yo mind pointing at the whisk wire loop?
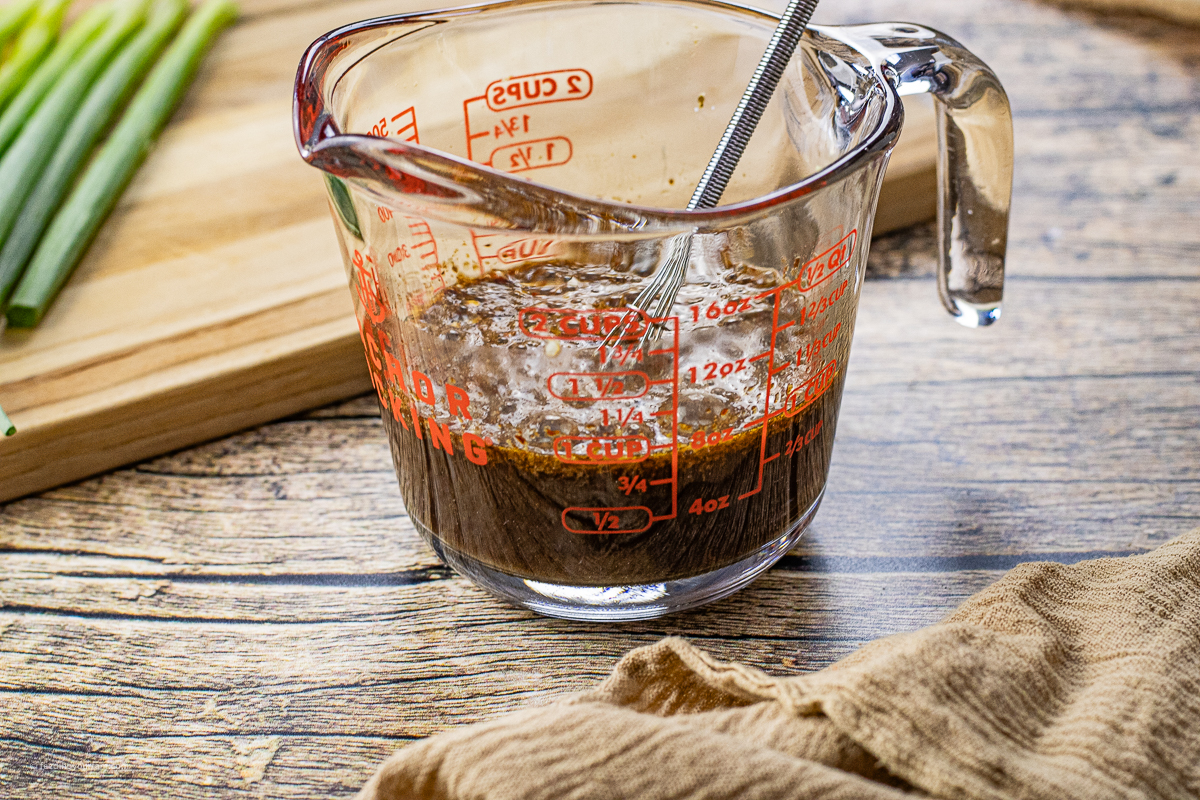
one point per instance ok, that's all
(658, 296)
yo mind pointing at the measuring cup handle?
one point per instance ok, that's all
(975, 157)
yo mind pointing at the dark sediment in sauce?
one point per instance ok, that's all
(508, 514)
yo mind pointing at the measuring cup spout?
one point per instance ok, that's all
(419, 179)
(975, 152)
(425, 182)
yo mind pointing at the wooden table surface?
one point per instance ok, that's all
(256, 617)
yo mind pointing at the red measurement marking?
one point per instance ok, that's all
(819, 269)
(769, 354)
(670, 348)
(540, 87)
(622, 354)
(573, 325)
(808, 392)
(369, 288)
(623, 519)
(425, 247)
(509, 250)
(601, 449)
(716, 310)
(485, 245)
(592, 386)
(511, 126)
(472, 135)
(660, 494)
(826, 265)
(702, 506)
(802, 440)
(535, 154)
(624, 418)
(702, 439)
(814, 348)
(819, 306)
(404, 125)
(416, 256)
(714, 370)
(424, 244)
(523, 250)
(399, 255)
(811, 274)
(630, 485)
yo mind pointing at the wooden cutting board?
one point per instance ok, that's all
(214, 297)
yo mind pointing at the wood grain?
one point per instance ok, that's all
(1185, 11)
(953, 403)
(256, 617)
(214, 298)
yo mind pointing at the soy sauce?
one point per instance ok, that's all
(515, 506)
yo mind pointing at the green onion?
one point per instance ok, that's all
(13, 17)
(6, 426)
(343, 204)
(37, 38)
(97, 191)
(85, 29)
(24, 162)
(103, 101)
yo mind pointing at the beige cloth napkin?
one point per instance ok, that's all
(1055, 682)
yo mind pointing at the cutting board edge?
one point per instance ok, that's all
(84, 446)
(905, 200)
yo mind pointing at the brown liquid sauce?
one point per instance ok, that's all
(614, 464)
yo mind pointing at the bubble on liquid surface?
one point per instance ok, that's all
(474, 336)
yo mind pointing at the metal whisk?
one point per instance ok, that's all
(657, 298)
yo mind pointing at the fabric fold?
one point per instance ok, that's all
(1056, 681)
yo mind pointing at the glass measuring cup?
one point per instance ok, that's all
(503, 180)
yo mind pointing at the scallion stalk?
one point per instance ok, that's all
(23, 163)
(6, 426)
(31, 47)
(103, 102)
(94, 196)
(83, 31)
(12, 19)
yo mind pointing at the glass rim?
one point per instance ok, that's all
(312, 139)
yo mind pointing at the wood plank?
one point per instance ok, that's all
(909, 191)
(186, 767)
(129, 589)
(277, 687)
(1110, 443)
(1185, 11)
(450, 632)
(1049, 329)
(200, 246)
(936, 430)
